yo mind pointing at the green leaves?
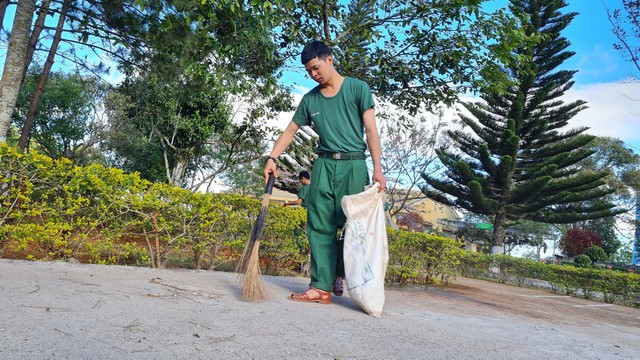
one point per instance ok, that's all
(415, 54)
(418, 258)
(64, 125)
(208, 68)
(54, 210)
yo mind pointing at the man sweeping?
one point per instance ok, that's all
(342, 111)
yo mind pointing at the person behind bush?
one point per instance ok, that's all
(305, 180)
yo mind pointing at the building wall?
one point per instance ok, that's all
(430, 212)
(280, 196)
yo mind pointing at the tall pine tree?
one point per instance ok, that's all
(518, 163)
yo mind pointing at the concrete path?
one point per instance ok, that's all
(55, 310)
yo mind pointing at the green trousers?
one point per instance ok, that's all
(330, 181)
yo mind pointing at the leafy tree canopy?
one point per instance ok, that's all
(622, 162)
(181, 91)
(65, 125)
(414, 54)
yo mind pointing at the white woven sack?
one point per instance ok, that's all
(366, 251)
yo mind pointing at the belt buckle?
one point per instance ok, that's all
(336, 156)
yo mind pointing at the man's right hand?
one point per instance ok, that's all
(270, 167)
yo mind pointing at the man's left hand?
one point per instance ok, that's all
(379, 178)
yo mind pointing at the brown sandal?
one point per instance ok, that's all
(312, 295)
(338, 286)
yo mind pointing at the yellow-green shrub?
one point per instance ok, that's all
(611, 286)
(421, 258)
(474, 264)
(54, 210)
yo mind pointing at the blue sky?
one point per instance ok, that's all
(592, 40)
(614, 102)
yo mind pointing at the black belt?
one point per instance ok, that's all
(342, 156)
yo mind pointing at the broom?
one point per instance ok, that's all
(253, 288)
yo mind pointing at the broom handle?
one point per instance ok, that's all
(270, 182)
(259, 225)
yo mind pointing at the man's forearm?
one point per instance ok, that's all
(375, 149)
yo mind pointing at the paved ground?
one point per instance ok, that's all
(59, 310)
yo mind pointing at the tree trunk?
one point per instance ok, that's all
(35, 34)
(14, 63)
(177, 173)
(499, 232)
(150, 247)
(37, 95)
(154, 219)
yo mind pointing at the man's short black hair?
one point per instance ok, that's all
(304, 174)
(314, 49)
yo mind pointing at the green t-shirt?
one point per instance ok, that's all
(338, 119)
(302, 194)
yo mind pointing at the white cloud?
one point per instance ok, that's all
(614, 110)
(300, 90)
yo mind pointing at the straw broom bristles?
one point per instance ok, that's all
(246, 253)
(253, 288)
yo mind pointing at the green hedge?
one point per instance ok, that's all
(54, 210)
(611, 286)
(420, 258)
(51, 209)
